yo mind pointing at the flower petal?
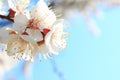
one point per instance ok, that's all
(22, 3)
(14, 45)
(36, 35)
(11, 37)
(20, 19)
(39, 9)
(27, 38)
(59, 24)
(11, 4)
(54, 39)
(20, 23)
(43, 49)
(47, 41)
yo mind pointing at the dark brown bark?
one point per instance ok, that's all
(6, 17)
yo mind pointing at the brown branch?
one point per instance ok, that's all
(40, 42)
(6, 17)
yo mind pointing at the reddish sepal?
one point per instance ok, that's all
(24, 33)
(13, 32)
(46, 30)
(11, 13)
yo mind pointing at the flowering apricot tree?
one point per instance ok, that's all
(38, 29)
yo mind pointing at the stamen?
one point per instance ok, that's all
(34, 24)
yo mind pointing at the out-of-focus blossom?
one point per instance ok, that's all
(69, 7)
(112, 2)
(18, 5)
(1, 5)
(6, 63)
(36, 32)
(92, 26)
(27, 67)
(82, 5)
(66, 7)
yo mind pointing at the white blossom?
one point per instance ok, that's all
(17, 45)
(18, 5)
(36, 32)
(43, 14)
(18, 48)
(54, 39)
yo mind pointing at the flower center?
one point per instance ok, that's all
(33, 24)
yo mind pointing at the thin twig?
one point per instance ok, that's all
(57, 71)
(6, 17)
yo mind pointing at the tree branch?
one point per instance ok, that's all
(6, 17)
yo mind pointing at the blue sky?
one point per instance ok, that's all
(86, 57)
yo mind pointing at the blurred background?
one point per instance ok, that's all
(93, 47)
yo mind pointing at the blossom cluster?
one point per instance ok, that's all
(33, 31)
